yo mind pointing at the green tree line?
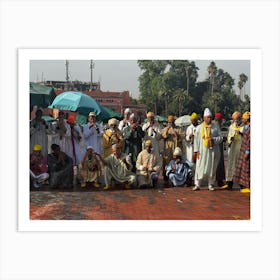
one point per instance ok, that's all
(171, 87)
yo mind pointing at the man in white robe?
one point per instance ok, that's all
(125, 122)
(206, 147)
(118, 168)
(148, 166)
(93, 133)
(74, 141)
(38, 132)
(190, 132)
(63, 133)
(152, 132)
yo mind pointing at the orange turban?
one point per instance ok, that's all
(71, 119)
(150, 114)
(170, 118)
(236, 115)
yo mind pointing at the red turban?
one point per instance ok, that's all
(218, 116)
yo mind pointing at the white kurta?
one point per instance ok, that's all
(63, 141)
(123, 125)
(189, 142)
(208, 161)
(153, 133)
(233, 151)
(93, 138)
(38, 135)
(77, 156)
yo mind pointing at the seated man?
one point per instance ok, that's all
(179, 170)
(60, 168)
(148, 166)
(89, 168)
(118, 167)
(38, 167)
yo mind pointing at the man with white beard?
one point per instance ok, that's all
(206, 148)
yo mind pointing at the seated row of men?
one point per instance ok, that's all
(116, 168)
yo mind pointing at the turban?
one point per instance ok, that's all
(71, 119)
(132, 116)
(37, 147)
(148, 143)
(170, 119)
(127, 110)
(91, 114)
(113, 121)
(150, 114)
(218, 116)
(90, 147)
(193, 116)
(236, 115)
(246, 115)
(177, 152)
(207, 113)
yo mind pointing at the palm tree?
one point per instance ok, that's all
(180, 96)
(243, 79)
(240, 87)
(212, 71)
(187, 68)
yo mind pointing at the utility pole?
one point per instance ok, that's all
(91, 74)
(67, 73)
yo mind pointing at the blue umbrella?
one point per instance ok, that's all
(76, 102)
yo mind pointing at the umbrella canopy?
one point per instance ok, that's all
(104, 116)
(48, 118)
(183, 120)
(76, 102)
(42, 96)
(107, 113)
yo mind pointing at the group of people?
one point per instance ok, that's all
(132, 154)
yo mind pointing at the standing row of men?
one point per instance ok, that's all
(203, 153)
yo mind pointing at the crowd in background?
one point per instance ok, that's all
(135, 154)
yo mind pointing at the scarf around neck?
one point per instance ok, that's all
(206, 133)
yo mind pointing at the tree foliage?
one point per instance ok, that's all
(171, 87)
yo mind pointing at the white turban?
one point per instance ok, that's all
(177, 152)
(127, 110)
(207, 113)
(89, 147)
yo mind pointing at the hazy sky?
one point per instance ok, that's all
(120, 75)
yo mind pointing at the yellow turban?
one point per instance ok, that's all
(193, 116)
(150, 114)
(246, 115)
(170, 119)
(236, 115)
(37, 147)
(148, 143)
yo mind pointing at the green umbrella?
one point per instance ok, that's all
(107, 113)
(76, 102)
(104, 116)
(48, 118)
(42, 96)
